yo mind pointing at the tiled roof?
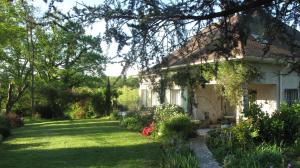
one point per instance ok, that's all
(201, 48)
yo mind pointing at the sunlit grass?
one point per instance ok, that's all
(78, 143)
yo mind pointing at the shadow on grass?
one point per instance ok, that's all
(143, 155)
(22, 153)
(14, 147)
(69, 128)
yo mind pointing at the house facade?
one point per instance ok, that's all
(278, 82)
(277, 85)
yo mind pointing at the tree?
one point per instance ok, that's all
(108, 98)
(152, 29)
(15, 50)
(67, 54)
(40, 52)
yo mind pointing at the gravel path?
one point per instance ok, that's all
(203, 154)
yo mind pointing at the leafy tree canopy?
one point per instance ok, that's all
(152, 29)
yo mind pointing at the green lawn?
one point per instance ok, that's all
(78, 143)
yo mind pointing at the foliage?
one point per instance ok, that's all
(51, 56)
(166, 111)
(15, 50)
(129, 82)
(231, 76)
(280, 127)
(114, 115)
(193, 75)
(5, 132)
(4, 126)
(156, 28)
(108, 100)
(132, 123)
(179, 125)
(232, 149)
(245, 133)
(86, 103)
(254, 142)
(260, 157)
(128, 99)
(179, 157)
(136, 121)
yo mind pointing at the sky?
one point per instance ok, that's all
(110, 51)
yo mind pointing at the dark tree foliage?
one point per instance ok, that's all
(153, 29)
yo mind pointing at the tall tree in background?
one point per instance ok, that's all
(15, 50)
(52, 53)
(108, 95)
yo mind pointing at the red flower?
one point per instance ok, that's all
(147, 130)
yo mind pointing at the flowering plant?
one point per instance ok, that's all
(148, 130)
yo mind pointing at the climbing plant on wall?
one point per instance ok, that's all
(230, 78)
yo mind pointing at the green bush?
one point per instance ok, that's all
(244, 133)
(4, 126)
(5, 132)
(177, 125)
(259, 157)
(136, 121)
(166, 111)
(133, 123)
(81, 110)
(179, 157)
(282, 126)
(114, 115)
(3, 121)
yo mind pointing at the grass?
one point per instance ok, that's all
(78, 143)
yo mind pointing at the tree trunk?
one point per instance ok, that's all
(9, 102)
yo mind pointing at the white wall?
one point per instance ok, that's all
(266, 96)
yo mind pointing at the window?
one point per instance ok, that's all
(291, 95)
(175, 97)
(155, 99)
(144, 97)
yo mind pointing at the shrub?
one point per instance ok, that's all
(133, 123)
(114, 115)
(179, 125)
(179, 157)
(282, 126)
(244, 133)
(80, 110)
(4, 126)
(261, 156)
(166, 111)
(5, 132)
(3, 121)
